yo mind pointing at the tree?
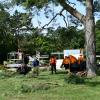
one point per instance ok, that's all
(66, 38)
(5, 36)
(89, 27)
(30, 43)
(11, 29)
(20, 23)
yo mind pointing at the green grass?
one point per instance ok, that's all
(47, 87)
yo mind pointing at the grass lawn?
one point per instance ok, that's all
(46, 87)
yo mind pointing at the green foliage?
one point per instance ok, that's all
(33, 88)
(98, 25)
(20, 23)
(5, 35)
(33, 42)
(30, 3)
(96, 5)
(74, 79)
(6, 73)
(25, 88)
(54, 40)
(11, 30)
(63, 38)
(98, 40)
(40, 3)
(98, 36)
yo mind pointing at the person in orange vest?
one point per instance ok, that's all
(53, 63)
(66, 62)
(81, 63)
(80, 59)
(73, 64)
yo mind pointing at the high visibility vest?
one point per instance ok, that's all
(66, 61)
(52, 60)
(72, 59)
(80, 59)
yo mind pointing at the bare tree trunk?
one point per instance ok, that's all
(90, 40)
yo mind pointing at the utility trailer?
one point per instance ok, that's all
(15, 60)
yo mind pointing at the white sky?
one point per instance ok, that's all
(44, 20)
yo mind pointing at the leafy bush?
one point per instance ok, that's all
(74, 79)
(7, 73)
(41, 86)
(2, 67)
(25, 88)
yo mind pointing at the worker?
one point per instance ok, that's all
(73, 64)
(24, 69)
(81, 63)
(66, 62)
(53, 63)
(26, 60)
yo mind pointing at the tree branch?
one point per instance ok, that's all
(64, 19)
(72, 11)
(43, 27)
(53, 18)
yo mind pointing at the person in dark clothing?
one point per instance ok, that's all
(73, 64)
(81, 63)
(24, 69)
(66, 63)
(26, 59)
(36, 67)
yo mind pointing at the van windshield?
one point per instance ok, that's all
(58, 55)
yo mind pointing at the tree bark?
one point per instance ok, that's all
(90, 46)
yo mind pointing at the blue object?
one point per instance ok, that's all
(35, 63)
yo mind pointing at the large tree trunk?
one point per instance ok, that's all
(90, 40)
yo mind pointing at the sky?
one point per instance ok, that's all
(42, 18)
(44, 21)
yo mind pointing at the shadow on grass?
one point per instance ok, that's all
(92, 83)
